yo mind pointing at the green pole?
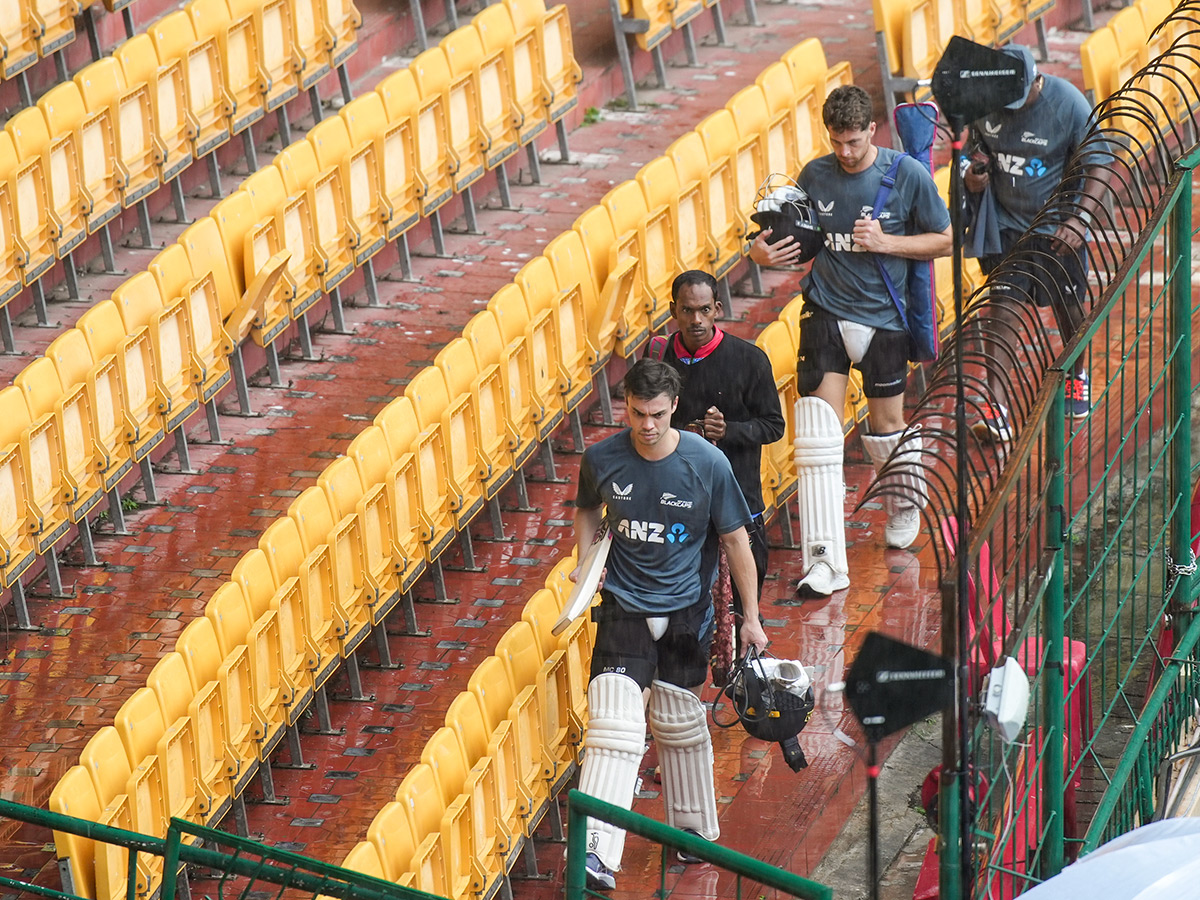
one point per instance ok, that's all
(1053, 626)
(1181, 385)
(576, 849)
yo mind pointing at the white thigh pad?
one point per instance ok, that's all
(685, 753)
(821, 491)
(616, 741)
(856, 338)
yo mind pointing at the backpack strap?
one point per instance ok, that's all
(657, 348)
(885, 188)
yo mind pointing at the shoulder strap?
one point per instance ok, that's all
(657, 348)
(885, 188)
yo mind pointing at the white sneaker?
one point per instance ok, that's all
(599, 876)
(821, 580)
(903, 527)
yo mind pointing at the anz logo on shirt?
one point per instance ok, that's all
(1012, 164)
(652, 532)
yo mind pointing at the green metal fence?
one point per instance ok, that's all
(1079, 533)
(220, 865)
(752, 878)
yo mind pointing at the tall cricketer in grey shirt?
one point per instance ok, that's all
(843, 280)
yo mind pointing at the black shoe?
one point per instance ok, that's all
(599, 876)
(689, 858)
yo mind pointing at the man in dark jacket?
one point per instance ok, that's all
(728, 394)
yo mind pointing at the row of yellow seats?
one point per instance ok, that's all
(691, 207)
(510, 742)
(102, 397)
(32, 29)
(133, 121)
(1112, 54)
(912, 34)
(171, 353)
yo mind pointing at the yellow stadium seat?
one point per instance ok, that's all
(18, 37)
(343, 20)
(650, 236)
(568, 259)
(685, 208)
(776, 342)
(419, 794)
(1129, 28)
(136, 375)
(921, 42)
(95, 143)
(209, 104)
(229, 613)
(438, 499)
(310, 607)
(530, 95)
(465, 378)
(312, 42)
(245, 82)
(319, 528)
(468, 825)
(167, 86)
(73, 362)
(139, 724)
(522, 751)
(55, 21)
(17, 550)
(358, 174)
(578, 361)
(498, 119)
(80, 461)
(617, 281)
(399, 186)
(364, 859)
(714, 181)
(495, 836)
(253, 574)
(391, 834)
(459, 102)
(1009, 16)
(300, 659)
(279, 61)
(139, 152)
(46, 491)
(560, 72)
(244, 727)
(791, 138)
(272, 692)
(388, 508)
(489, 347)
(435, 408)
(1100, 57)
(75, 795)
(533, 352)
(65, 203)
(197, 645)
(807, 64)
(431, 140)
(33, 222)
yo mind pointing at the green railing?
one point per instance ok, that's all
(222, 864)
(751, 875)
(1079, 536)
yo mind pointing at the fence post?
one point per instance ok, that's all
(1181, 385)
(576, 849)
(1053, 628)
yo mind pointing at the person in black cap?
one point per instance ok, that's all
(1020, 154)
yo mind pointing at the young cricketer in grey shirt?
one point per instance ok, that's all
(659, 512)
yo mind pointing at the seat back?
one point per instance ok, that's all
(229, 614)
(96, 152)
(167, 86)
(394, 151)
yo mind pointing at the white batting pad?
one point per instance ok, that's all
(821, 491)
(616, 740)
(685, 754)
(902, 476)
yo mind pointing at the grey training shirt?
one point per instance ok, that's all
(845, 280)
(659, 512)
(1030, 148)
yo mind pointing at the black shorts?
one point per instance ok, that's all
(1044, 271)
(625, 645)
(884, 366)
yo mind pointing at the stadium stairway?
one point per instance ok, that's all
(59, 684)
